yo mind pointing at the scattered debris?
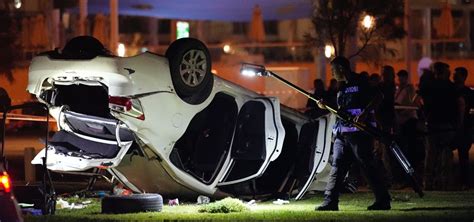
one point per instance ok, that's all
(203, 200)
(281, 202)
(173, 202)
(252, 203)
(26, 205)
(63, 204)
(121, 191)
(401, 198)
(87, 202)
(32, 211)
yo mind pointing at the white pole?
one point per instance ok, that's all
(55, 25)
(82, 17)
(153, 27)
(114, 27)
(408, 50)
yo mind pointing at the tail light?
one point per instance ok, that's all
(5, 182)
(128, 106)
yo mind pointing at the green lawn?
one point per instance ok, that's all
(435, 206)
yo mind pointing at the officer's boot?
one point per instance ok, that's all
(331, 202)
(328, 206)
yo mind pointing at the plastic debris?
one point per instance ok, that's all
(173, 202)
(101, 194)
(203, 200)
(121, 191)
(252, 203)
(87, 202)
(32, 211)
(62, 204)
(281, 202)
(401, 198)
(25, 205)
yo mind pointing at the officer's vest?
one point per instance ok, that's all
(352, 98)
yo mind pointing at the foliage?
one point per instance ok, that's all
(226, 205)
(337, 21)
(7, 43)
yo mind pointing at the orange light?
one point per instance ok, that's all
(5, 181)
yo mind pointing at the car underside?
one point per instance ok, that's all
(154, 133)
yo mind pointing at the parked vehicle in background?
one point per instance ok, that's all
(166, 124)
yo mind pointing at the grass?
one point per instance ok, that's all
(435, 206)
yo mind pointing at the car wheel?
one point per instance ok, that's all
(190, 66)
(132, 204)
(84, 47)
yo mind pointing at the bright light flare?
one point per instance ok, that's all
(252, 70)
(329, 51)
(248, 73)
(17, 4)
(121, 50)
(227, 48)
(368, 22)
(5, 182)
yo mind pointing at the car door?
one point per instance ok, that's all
(318, 152)
(258, 140)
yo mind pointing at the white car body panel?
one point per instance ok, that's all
(274, 134)
(321, 157)
(146, 77)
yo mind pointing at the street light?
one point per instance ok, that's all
(226, 48)
(368, 22)
(121, 50)
(17, 4)
(329, 51)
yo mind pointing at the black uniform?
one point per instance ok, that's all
(353, 145)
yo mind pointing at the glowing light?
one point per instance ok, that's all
(17, 4)
(226, 48)
(121, 50)
(5, 182)
(249, 73)
(182, 29)
(329, 51)
(368, 22)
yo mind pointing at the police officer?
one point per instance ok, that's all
(356, 97)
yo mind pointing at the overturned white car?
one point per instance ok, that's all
(166, 124)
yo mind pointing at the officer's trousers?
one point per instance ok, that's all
(350, 147)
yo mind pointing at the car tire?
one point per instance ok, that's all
(132, 204)
(190, 66)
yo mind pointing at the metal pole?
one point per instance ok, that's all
(300, 90)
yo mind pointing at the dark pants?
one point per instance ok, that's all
(350, 147)
(439, 157)
(463, 142)
(413, 147)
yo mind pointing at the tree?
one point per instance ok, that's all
(7, 39)
(338, 22)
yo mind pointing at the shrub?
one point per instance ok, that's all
(226, 205)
